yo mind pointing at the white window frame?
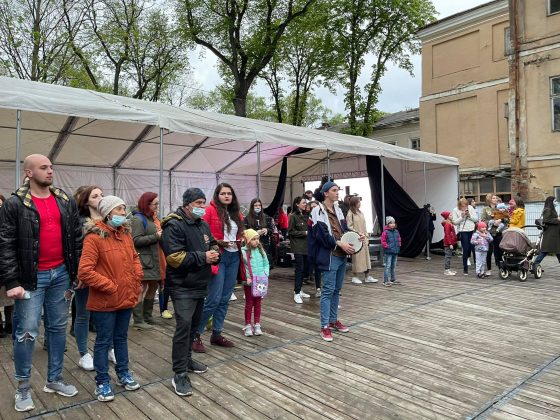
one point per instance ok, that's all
(553, 96)
(414, 140)
(557, 193)
(550, 12)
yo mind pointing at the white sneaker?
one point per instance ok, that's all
(428, 258)
(248, 330)
(370, 279)
(318, 293)
(449, 273)
(488, 273)
(468, 261)
(86, 362)
(233, 297)
(112, 357)
(258, 330)
(356, 280)
(453, 271)
(297, 298)
(303, 294)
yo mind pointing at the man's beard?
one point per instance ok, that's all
(43, 184)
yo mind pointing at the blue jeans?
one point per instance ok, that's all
(219, 291)
(390, 261)
(330, 294)
(81, 324)
(112, 331)
(51, 288)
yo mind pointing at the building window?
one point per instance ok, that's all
(478, 188)
(553, 6)
(555, 102)
(507, 42)
(415, 144)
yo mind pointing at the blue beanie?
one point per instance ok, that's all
(327, 186)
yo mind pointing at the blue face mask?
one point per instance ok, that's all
(116, 220)
(198, 212)
(257, 210)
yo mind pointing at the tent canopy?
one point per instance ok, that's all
(86, 128)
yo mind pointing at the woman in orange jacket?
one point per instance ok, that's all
(111, 268)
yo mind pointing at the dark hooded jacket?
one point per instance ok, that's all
(19, 238)
(185, 243)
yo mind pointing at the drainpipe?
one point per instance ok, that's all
(513, 122)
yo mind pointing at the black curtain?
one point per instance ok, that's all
(412, 221)
(278, 199)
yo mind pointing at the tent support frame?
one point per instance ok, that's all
(18, 148)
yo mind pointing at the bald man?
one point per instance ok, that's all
(40, 247)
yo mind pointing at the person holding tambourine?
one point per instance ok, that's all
(329, 252)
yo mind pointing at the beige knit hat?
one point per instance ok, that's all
(108, 203)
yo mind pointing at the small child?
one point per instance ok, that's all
(391, 242)
(257, 265)
(501, 213)
(481, 240)
(449, 241)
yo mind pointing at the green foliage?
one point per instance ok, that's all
(384, 29)
(243, 34)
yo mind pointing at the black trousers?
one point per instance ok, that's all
(188, 313)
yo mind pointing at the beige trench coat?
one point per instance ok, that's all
(360, 260)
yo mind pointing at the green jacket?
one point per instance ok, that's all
(147, 245)
(297, 232)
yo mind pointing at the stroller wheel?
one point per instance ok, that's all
(522, 275)
(504, 273)
(537, 271)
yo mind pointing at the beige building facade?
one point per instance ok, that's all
(491, 97)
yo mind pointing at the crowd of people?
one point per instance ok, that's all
(90, 250)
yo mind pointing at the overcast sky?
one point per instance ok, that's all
(400, 90)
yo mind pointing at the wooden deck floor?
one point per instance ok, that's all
(434, 347)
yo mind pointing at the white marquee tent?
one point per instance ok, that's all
(129, 146)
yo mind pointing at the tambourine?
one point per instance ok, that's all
(353, 239)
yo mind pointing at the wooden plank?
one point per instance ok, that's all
(179, 406)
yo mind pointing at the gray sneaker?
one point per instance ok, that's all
(61, 388)
(24, 402)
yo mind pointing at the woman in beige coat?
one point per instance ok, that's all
(361, 263)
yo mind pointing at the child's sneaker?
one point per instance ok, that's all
(449, 273)
(258, 330)
(318, 293)
(387, 283)
(248, 330)
(339, 326)
(128, 382)
(104, 392)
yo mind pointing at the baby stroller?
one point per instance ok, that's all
(519, 253)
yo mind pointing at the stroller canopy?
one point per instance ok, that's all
(515, 240)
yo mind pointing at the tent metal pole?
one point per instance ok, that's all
(382, 192)
(328, 165)
(381, 253)
(18, 148)
(458, 183)
(170, 193)
(425, 185)
(115, 181)
(258, 169)
(430, 214)
(160, 166)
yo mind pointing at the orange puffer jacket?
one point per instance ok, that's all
(110, 267)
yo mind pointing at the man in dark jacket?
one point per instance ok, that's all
(190, 250)
(40, 247)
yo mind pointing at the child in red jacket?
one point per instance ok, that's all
(449, 241)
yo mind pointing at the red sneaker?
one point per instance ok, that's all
(326, 334)
(339, 326)
(220, 340)
(197, 345)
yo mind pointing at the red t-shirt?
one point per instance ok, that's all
(51, 253)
